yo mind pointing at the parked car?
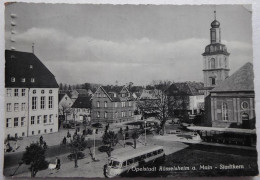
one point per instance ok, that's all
(97, 125)
(70, 124)
(81, 155)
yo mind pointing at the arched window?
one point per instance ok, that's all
(224, 111)
(105, 114)
(212, 63)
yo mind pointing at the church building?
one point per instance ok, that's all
(229, 100)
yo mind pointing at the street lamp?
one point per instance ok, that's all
(94, 153)
(124, 138)
(145, 132)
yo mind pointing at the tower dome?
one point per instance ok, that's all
(215, 24)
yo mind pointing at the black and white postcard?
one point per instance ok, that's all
(129, 90)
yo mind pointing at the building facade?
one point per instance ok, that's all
(31, 96)
(112, 104)
(233, 100)
(81, 109)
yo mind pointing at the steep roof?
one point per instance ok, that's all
(61, 95)
(241, 80)
(82, 102)
(26, 65)
(111, 90)
(185, 88)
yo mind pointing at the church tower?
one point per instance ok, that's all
(215, 58)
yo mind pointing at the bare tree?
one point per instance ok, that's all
(159, 103)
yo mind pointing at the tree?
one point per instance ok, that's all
(111, 139)
(61, 86)
(34, 156)
(159, 103)
(77, 144)
(135, 136)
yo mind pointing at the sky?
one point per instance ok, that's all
(127, 43)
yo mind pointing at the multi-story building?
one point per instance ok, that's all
(31, 97)
(112, 104)
(81, 109)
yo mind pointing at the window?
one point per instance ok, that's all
(98, 114)
(39, 131)
(23, 107)
(23, 92)
(123, 95)
(50, 91)
(12, 79)
(22, 79)
(123, 114)
(16, 92)
(50, 102)
(98, 104)
(39, 119)
(105, 104)
(45, 119)
(45, 130)
(115, 104)
(105, 114)
(116, 114)
(16, 107)
(224, 111)
(213, 36)
(130, 113)
(123, 104)
(8, 122)
(244, 105)
(9, 92)
(16, 122)
(8, 107)
(212, 63)
(42, 91)
(50, 130)
(34, 91)
(43, 102)
(32, 132)
(130, 103)
(22, 121)
(23, 134)
(32, 120)
(213, 81)
(31, 66)
(34, 103)
(32, 80)
(50, 118)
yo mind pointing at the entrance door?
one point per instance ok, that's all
(245, 121)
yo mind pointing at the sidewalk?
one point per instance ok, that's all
(86, 167)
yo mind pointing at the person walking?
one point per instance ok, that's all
(57, 163)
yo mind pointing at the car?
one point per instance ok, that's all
(97, 125)
(80, 155)
(70, 124)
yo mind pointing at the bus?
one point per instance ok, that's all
(125, 161)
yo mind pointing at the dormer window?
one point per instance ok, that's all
(31, 66)
(22, 79)
(12, 56)
(32, 80)
(12, 79)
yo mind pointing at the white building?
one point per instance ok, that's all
(31, 97)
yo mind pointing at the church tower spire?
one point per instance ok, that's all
(215, 57)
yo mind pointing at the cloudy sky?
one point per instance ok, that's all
(138, 43)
